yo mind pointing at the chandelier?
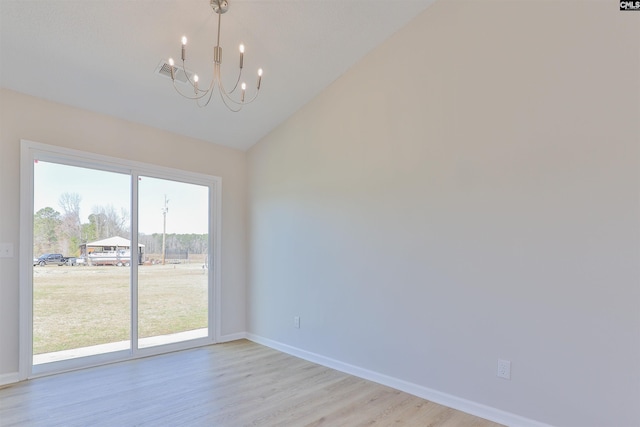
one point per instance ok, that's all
(233, 99)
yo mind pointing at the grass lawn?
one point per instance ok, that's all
(82, 306)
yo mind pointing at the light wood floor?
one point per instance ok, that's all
(233, 384)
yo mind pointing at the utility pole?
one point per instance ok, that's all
(165, 209)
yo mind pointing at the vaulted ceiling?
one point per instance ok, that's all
(102, 55)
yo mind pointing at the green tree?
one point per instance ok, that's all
(89, 231)
(46, 223)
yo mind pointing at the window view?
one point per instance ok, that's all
(173, 282)
(81, 299)
(83, 261)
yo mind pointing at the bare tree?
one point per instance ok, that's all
(108, 222)
(70, 204)
(70, 226)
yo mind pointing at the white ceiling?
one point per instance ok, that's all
(101, 55)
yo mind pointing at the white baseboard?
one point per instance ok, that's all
(10, 378)
(232, 337)
(464, 405)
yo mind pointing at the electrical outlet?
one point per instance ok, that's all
(6, 250)
(504, 369)
(296, 321)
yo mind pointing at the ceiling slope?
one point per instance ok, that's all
(101, 55)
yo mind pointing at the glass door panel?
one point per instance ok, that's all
(173, 276)
(81, 295)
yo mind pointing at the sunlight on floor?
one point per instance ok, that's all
(39, 359)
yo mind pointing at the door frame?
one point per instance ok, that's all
(31, 151)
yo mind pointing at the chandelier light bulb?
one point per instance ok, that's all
(173, 76)
(184, 50)
(241, 48)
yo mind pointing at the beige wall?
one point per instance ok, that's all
(468, 192)
(25, 117)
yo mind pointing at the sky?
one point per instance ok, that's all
(187, 203)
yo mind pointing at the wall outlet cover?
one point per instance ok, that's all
(504, 369)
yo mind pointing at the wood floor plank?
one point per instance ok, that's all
(233, 384)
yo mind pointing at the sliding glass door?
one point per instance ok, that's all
(80, 308)
(173, 282)
(122, 258)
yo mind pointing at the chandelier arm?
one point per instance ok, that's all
(226, 95)
(184, 70)
(210, 95)
(215, 78)
(206, 91)
(237, 81)
(195, 97)
(192, 83)
(211, 86)
(254, 97)
(226, 98)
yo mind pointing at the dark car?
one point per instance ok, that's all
(45, 259)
